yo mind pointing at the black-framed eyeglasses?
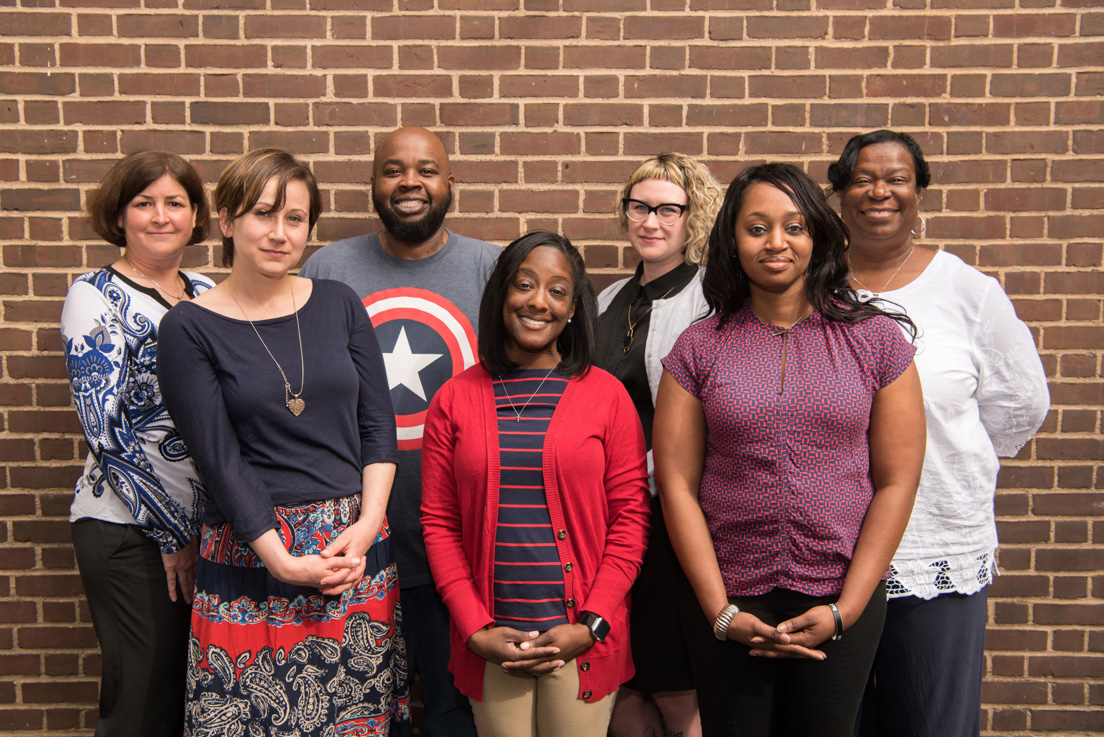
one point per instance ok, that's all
(667, 213)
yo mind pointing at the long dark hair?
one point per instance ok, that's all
(579, 338)
(726, 285)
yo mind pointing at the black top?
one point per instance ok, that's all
(227, 398)
(632, 306)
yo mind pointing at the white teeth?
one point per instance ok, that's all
(532, 321)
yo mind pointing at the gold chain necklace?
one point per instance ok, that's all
(509, 399)
(292, 399)
(864, 294)
(626, 344)
(160, 288)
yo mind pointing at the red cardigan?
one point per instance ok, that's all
(596, 482)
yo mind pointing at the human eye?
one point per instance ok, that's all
(669, 211)
(638, 208)
(757, 230)
(795, 228)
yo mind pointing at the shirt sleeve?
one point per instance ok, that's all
(442, 519)
(684, 361)
(99, 361)
(895, 350)
(628, 505)
(1012, 392)
(190, 387)
(375, 413)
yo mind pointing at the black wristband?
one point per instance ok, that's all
(839, 621)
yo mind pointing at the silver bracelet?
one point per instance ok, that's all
(838, 621)
(720, 626)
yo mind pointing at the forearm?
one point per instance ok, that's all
(376, 491)
(881, 532)
(694, 547)
(270, 549)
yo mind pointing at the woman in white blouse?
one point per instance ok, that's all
(985, 394)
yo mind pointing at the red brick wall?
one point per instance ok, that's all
(546, 107)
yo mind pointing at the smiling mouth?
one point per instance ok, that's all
(534, 321)
(409, 206)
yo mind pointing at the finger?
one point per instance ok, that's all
(171, 578)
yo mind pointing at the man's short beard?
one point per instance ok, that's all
(413, 232)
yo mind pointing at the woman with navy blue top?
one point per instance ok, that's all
(534, 504)
(792, 445)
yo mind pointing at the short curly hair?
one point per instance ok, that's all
(126, 179)
(839, 171)
(703, 193)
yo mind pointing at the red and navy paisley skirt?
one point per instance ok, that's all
(267, 658)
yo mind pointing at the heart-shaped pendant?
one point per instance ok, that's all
(296, 405)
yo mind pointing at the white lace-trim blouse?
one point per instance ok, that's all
(985, 395)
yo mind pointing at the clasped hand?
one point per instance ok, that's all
(531, 653)
(794, 638)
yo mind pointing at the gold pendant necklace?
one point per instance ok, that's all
(160, 288)
(294, 402)
(509, 399)
(626, 344)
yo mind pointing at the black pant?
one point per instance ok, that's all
(143, 635)
(744, 696)
(928, 671)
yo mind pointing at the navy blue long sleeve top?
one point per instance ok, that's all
(226, 396)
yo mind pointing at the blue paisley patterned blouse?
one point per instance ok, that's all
(138, 471)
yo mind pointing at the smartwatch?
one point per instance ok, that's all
(598, 627)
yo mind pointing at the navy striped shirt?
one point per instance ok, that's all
(528, 581)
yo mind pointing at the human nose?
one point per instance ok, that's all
(879, 189)
(409, 179)
(279, 230)
(776, 239)
(160, 214)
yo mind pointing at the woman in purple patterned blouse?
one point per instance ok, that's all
(793, 437)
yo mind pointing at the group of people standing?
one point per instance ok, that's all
(745, 491)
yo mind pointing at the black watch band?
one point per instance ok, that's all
(598, 627)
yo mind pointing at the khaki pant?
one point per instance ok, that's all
(548, 706)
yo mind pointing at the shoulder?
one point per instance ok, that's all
(957, 280)
(339, 252)
(473, 250)
(181, 320)
(606, 295)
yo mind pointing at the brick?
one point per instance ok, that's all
(148, 25)
(606, 56)
(468, 58)
(538, 86)
(779, 26)
(351, 57)
(298, 86)
(906, 85)
(229, 56)
(542, 27)
(601, 114)
(666, 27)
(412, 85)
(285, 26)
(229, 113)
(1030, 85)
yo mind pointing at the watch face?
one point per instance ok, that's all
(598, 626)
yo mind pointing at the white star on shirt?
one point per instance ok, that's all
(403, 366)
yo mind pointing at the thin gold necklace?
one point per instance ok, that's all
(864, 294)
(160, 288)
(292, 399)
(626, 344)
(509, 399)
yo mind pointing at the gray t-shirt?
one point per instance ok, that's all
(424, 312)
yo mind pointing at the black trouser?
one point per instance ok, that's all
(928, 671)
(143, 635)
(744, 696)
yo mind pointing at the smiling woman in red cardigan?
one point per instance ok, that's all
(535, 504)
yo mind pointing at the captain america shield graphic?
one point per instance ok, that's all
(426, 340)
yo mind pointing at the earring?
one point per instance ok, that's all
(923, 226)
(569, 321)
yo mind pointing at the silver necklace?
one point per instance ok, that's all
(292, 399)
(509, 399)
(160, 288)
(864, 294)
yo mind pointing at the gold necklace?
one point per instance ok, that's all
(292, 399)
(864, 294)
(626, 344)
(160, 288)
(509, 399)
